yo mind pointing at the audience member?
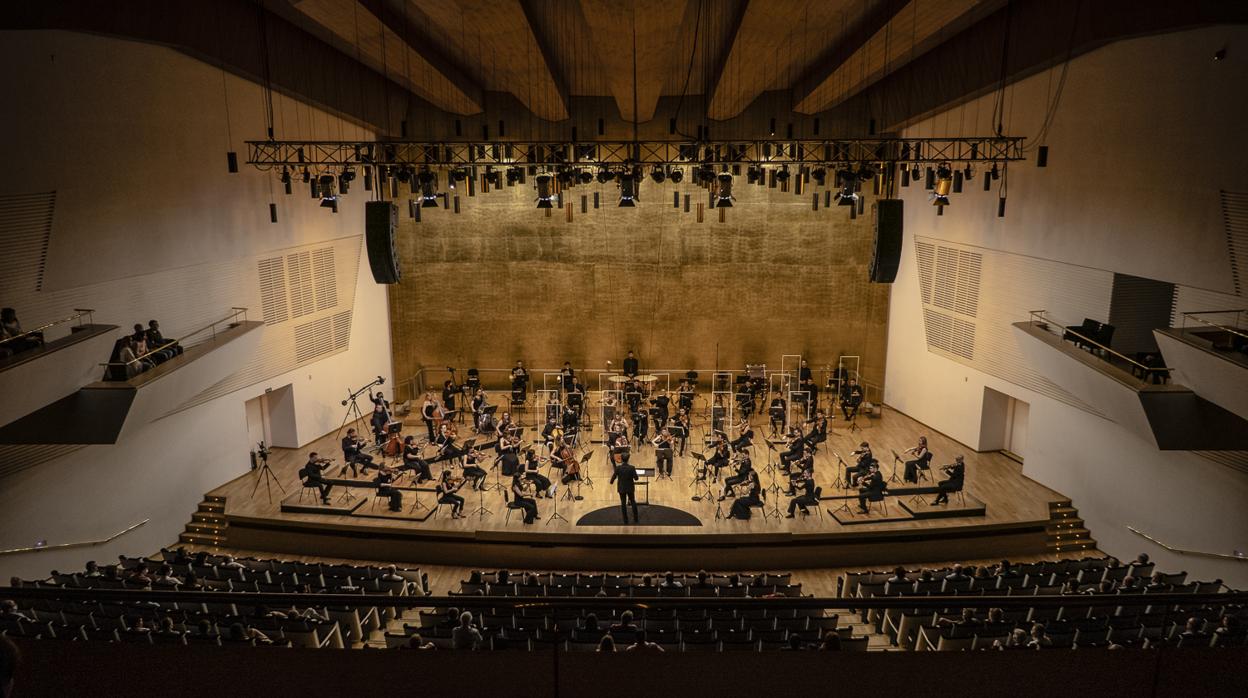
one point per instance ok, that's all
(465, 636)
(8, 611)
(11, 333)
(625, 624)
(1038, 639)
(606, 644)
(670, 581)
(156, 339)
(416, 642)
(956, 575)
(9, 659)
(831, 642)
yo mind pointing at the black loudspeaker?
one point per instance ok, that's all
(886, 221)
(380, 218)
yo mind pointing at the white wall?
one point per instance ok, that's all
(1139, 149)
(133, 139)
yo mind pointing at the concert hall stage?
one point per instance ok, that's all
(1004, 514)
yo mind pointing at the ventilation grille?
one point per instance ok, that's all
(302, 294)
(323, 278)
(18, 457)
(1235, 218)
(25, 231)
(972, 296)
(273, 291)
(313, 339)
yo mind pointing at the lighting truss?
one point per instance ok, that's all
(555, 154)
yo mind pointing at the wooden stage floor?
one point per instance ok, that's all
(1015, 514)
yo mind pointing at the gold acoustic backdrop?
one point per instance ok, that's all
(500, 281)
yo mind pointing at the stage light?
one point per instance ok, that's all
(428, 189)
(604, 176)
(566, 177)
(677, 175)
(754, 175)
(628, 191)
(286, 180)
(995, 172)
(820, 175)
(458, 174)
(848, 183)
(545, 190)
(658, 175)
(585, 176)
(725, 190)
(967, 173)
(345, 179)
(944, 182)
(513, 175)
(783, 174)
(403, 175)
(494, 177)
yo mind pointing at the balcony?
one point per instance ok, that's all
(65, 361)
(104, 411)
(1169, 415)
(1209, 353)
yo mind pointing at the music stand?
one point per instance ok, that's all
(555, 514)
(586, 478)
(896, 460)
(481, 511)
(700, 480)
(265, 474)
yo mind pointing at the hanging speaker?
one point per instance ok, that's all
(380, 219)
(886, 221)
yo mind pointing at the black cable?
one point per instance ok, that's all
(693, 52)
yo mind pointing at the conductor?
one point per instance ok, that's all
(625, 479)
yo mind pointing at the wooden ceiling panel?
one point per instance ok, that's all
(773, 44)
(361, 33)
(495, 40)
(910, 32)
(656, 24)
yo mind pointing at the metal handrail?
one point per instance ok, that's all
(1184, 551)
(78, 544)
(1233, 330)
(1047, 322)
(78, 313)
(211, 326)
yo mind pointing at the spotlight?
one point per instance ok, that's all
(458, 174)
(628, 191)
(544, 191)
(915, 171)
(994, 172)
(944, 182)
(585, 176)
(704, 175)
(848, 183)
(967, 173)
(658, 175)
(345, 179)
(306, 175)
(783, 174)
(725, 190)
(604, 176)
(677, 175)
(428, 189)
(566, 177)
(286, 179)
(513, 175)
(403, 174)
(754, 175)
(494, 177)
(820, 175)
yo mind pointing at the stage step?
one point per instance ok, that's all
(1066, 531)
(207, 525)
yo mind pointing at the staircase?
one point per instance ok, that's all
(207, 526)
(1066, 530)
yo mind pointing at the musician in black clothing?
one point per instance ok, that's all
(819, 428)
(745, 436)
(953, 483)
(720, 458)
(872, 486)
(509, 461)
(805, 464)
(741, 507)
(567, 377)
(412, 460)
(519, 496)
(743, 473)
(428, 411)
(449, 391)
(803, 373)
(661, 404)
(384, 481)
(548, 431)
(353, 455)
(797, 446)
(380, 417)
(851, 398)
(922, 457)
(812, 391)
(533, 473)
(625, 480)
(680, 429)
(472, 468)
(663, 443)
(865, 460)
(684, 394)
(313, 475)
(446, 489)
(778, 413)
(808, 498)
(630, 365)
(641, 426)
(571, 425)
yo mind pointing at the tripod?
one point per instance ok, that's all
(775, 499)
(840, 468)
(555, 515)
(266, 475)
(481, 511)
(353, 409)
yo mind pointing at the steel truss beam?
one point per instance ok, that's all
(297, 154)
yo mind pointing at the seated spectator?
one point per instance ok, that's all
(205, 628)
(9, 659)
(670, 581)
(241, 633)
(967, 620)
(156, 339)
(229, 563)
(391, 574)
(734, 580)
(606, 644)
(925, 576)
(647, 581)
(465, 636)
(504, 577)
(475, 577)
(831, 642)
(644, 645)
(1016, 641)
(11, 330)
(1005, 569)
(8, 611)
(625, 624)
(139, 337)
(1128, 582)
(167, 628)
(165, 578)
(956, 575)
(1038, 639)
(1156, 583)
(1192, 630)
(416, 642)
(703, 580)
(139, 627)
(1140, 560)
(92, 570)
(140, 575)
(899, 576)
(995, 616)
(190, 583)
(795, 644)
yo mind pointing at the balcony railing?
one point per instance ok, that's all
(79, 314)
(190, 339)
(1041, 319)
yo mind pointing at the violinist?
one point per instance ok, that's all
(385, 488)
(680, 429)
(819, 427)
(745, 436)
(617, 428)
(663, 442)
(533, 473)
(865, 460)
(509, 461)
(313, 475)
(922, 457)
(548, 431)
(720, 458)
(744, 468)
(505, 427)
(797, 445)
(567, 377)
(805, 464)
(805, 480)
(413, 462)
(446, 442)
(753, 498)
(446, 489)
(472, 468)
(661, 403)
(353, 454)
(520, 497)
